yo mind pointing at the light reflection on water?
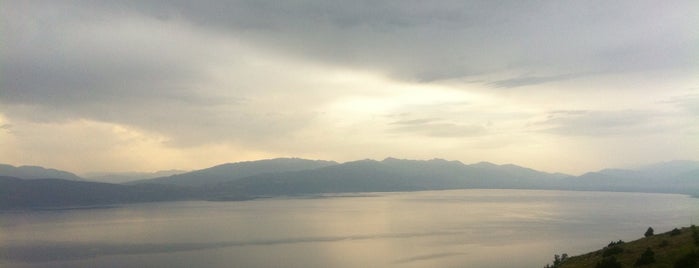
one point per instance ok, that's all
(462, 228)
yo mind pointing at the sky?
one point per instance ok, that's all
(558, 86)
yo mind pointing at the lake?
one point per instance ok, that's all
(457, 228)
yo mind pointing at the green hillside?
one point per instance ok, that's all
(676, 248)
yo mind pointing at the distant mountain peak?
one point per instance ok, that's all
(441, 160)
(292, 176)
(36, 172)
(433, 160)
(234, 171)
(485, 164)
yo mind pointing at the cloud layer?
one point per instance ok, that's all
(340, 80)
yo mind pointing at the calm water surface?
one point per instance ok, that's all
(462, 228)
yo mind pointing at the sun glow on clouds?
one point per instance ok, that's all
(379, 98)
(99, 86)
(99, 146)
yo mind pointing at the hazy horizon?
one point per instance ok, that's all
(144, 86)
(175, 170)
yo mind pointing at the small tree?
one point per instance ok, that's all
(557, 261)
(675, 232)
(647, 257)
(609, 251)
(649, 232)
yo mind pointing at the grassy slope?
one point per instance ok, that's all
(665, 256)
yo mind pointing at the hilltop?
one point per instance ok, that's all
(667, 249)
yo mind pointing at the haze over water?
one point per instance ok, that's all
(460, 228)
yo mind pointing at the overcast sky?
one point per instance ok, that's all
(561, 86)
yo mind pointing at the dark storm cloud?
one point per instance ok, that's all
(427, 41)
(430, 41)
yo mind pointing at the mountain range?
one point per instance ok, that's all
(294, 176)
(235, 171)
(122, 177)
(36, 172)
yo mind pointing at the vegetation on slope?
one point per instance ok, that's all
(675, 249)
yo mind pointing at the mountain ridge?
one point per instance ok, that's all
(295, 176)
(232, 171)
(36, 172)
(122, 177)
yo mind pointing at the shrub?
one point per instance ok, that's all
(647, 257)
(557, 261)
(649, 232)
(617, 243)
(610, 262)
(609, 251)
(675, 232)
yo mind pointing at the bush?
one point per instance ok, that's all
(617, 243)
(647, 257)
(675, 232)
(557, 261)
(609, 251)
(610, 262)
